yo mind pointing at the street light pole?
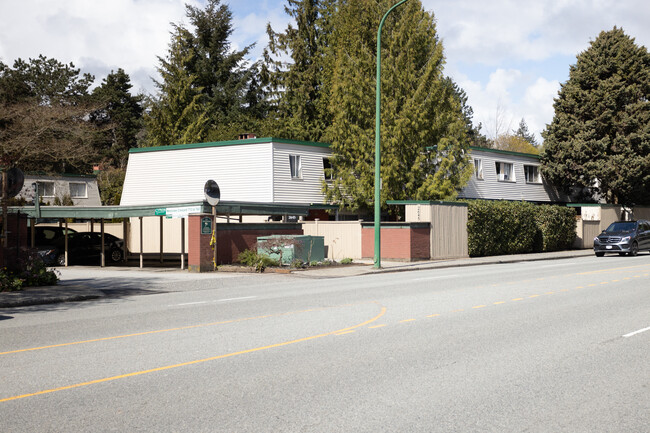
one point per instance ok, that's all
(378, 143)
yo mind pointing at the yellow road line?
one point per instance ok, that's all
(549, 293)
(407, 320)
(198, 361)
(499, 302)
(479, 306)
(534, 296)
(343, 333)
(158, 331)
(517, 299)
(433, 315)
(376, 326)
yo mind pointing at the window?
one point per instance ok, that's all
(295, 166)
(532, 174)
(505, 172)
(78, 190)
(46, 189)
(478, 169)
(327, 169)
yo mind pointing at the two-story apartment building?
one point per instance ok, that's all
(260, 170)
(505, 175)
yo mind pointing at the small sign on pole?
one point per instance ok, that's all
(206, 226)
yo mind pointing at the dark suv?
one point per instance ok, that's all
(623, 237)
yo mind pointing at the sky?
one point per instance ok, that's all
(509, 56)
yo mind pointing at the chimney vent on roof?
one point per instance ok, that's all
(246, 136)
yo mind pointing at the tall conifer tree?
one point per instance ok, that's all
(599, 138)
(424, 135)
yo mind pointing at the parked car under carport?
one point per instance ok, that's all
(84, 248)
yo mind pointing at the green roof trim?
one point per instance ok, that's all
(427, 202)
(227, 143)
(506, 152)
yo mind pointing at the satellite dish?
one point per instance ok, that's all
(15, 182)
(212, 193)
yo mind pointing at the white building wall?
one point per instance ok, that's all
(491, 188)
(244, 173)
(305, 190)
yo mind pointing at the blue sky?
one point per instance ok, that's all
(509, 56)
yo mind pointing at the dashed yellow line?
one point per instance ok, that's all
(407, 320)
(199, 361)
(534, 296)
(433, 315)
(376, 326)
(499, 302)
(478, 306)
(517, 299)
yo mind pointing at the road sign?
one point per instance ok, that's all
(182, 212)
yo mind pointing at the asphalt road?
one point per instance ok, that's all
(554, 346)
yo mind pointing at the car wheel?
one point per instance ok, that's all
(116, 256)
(60, 260)
(600, 254)
(634, 250)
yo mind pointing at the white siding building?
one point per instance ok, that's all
(260, 170)
(505, 175)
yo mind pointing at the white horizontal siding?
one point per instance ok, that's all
(243, 172)
(491, 188)
(305, 190)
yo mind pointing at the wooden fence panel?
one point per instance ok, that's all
(342, 238)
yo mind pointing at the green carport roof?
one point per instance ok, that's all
(110, 212)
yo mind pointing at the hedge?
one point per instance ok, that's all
(506, 227)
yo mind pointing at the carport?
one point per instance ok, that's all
(100, 214)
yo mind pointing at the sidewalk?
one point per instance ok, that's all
(73, 293)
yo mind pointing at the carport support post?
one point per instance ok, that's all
(65, 242)
(161, 238)
(141, 243)
(124, 237)
(103, 255)
(182, 243)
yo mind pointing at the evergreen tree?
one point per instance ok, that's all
(600, 135)
(207, 89)
(299, 87)
(120, 118)
(424, 133)
(523, 132)
(178, 115)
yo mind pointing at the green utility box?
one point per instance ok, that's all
(293, 247)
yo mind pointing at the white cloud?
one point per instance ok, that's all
(95, 36)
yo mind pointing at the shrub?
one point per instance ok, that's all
(346, 261)
(556, 226)
(258, 261)
(504, 227)
(29, 271)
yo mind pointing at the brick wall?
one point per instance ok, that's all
(398, 241)
(232, 239)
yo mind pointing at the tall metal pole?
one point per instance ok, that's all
(378, 143)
